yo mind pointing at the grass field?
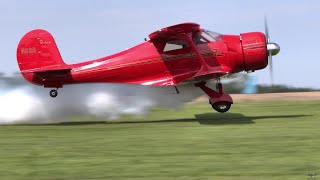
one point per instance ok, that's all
(255, 140)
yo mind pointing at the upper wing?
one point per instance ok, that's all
(174, 31)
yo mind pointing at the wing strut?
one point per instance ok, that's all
(204, 67)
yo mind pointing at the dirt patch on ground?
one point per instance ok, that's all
(297, 96)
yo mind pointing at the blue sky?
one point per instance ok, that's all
(91, 29)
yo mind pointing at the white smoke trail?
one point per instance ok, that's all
(17, 105)
(24, 103)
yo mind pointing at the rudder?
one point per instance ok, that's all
(38, 50)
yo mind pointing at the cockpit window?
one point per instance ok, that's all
(211, 36)
(199, 39)
(175, 45)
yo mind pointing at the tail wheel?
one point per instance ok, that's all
(53, 93)
(222, 106)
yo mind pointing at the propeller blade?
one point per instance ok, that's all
(270, 67)
(270, 49)
(266, 29)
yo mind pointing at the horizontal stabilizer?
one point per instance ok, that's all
(46, 70)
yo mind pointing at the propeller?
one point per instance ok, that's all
(273, 48)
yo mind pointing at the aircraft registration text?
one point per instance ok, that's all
(28, 50)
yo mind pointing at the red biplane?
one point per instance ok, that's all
(183, 53)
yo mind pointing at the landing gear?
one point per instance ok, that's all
(54, 93)
(221, 106)
(219, 101)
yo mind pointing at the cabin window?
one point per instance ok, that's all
(175, 45)
(207, 36)
(198, 39)
(211, 36)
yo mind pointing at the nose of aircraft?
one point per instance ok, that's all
(254, 50)
(274, 48)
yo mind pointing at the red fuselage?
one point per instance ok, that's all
(148, 63)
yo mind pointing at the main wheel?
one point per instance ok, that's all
(222, 106)
(53, 93)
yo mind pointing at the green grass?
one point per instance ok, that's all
(255, 140)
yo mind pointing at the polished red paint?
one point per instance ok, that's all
(147, 64)
(40, 61)
(254, 51)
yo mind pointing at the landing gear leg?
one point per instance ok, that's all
(219, 101)
(54, 93)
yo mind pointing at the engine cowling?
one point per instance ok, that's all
(254, 50)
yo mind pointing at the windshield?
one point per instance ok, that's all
(211, 36)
